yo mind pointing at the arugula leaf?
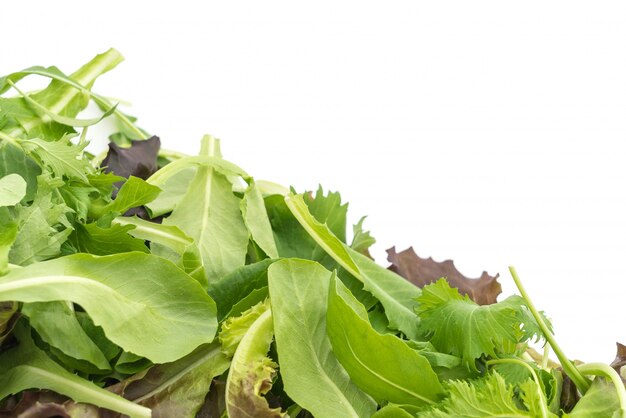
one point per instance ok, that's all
(27, 367)
(381, 365)
(395, 294)
(62, 157)
(42, 227)
(144, 303)
(256, 220)
(309, 370)
(251, 373)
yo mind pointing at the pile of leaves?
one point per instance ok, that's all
(143, 282)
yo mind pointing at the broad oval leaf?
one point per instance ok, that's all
(144, 303)
(312, 375)
(382, 365)
(12, 189)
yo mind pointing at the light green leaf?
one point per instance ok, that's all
(62, 157)
(169, 242)
(144, 304)
(486, 397)
(172, 191)
(27, 367)
(134, 192)
(42, 227)
(58, 326)
(361, 240)
(396, 294)
(392, 411)
(12, 189)
(209, 213)
(64, 96)
(251, 373)
(235, 328)
(256, 220)
(457, 325)
(8, 233)
(382, 365)
(600, 401)
(311, 374)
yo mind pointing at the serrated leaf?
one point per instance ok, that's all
(62, 157)
(251, 373)
(423, 271)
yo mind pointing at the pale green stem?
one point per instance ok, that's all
(581, 382)
(543, 401)
(600, 369)
(546, 356)
(9, 139)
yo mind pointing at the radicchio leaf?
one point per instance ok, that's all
(620, 359)
(423, 271)
(139, 160)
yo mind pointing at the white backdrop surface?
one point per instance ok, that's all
(488, 132)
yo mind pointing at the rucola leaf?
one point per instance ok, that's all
(145, 304)
(395, 294)
(423, 271)
(311, 374)
(383, 366)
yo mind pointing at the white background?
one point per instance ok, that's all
(486, 132)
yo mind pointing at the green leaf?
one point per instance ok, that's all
(235, 328)
(486, 397)
(382, 365)
(92, 239)
(311, 374)
(177, 389)
(251, 373)
(392, 411)
(134, 192)
(169, 242)
(57, 325)
(234, 287)
(209, 213)
(172, 191)
(8, 233)
(396, 294)
(458, 326)
(62, 157)
(12, 189)
(600, 401)
(257, 221)
(13, 160)
(64, 96)
(27, 367)
(144, 304)
(129, 363)
(42, 227)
